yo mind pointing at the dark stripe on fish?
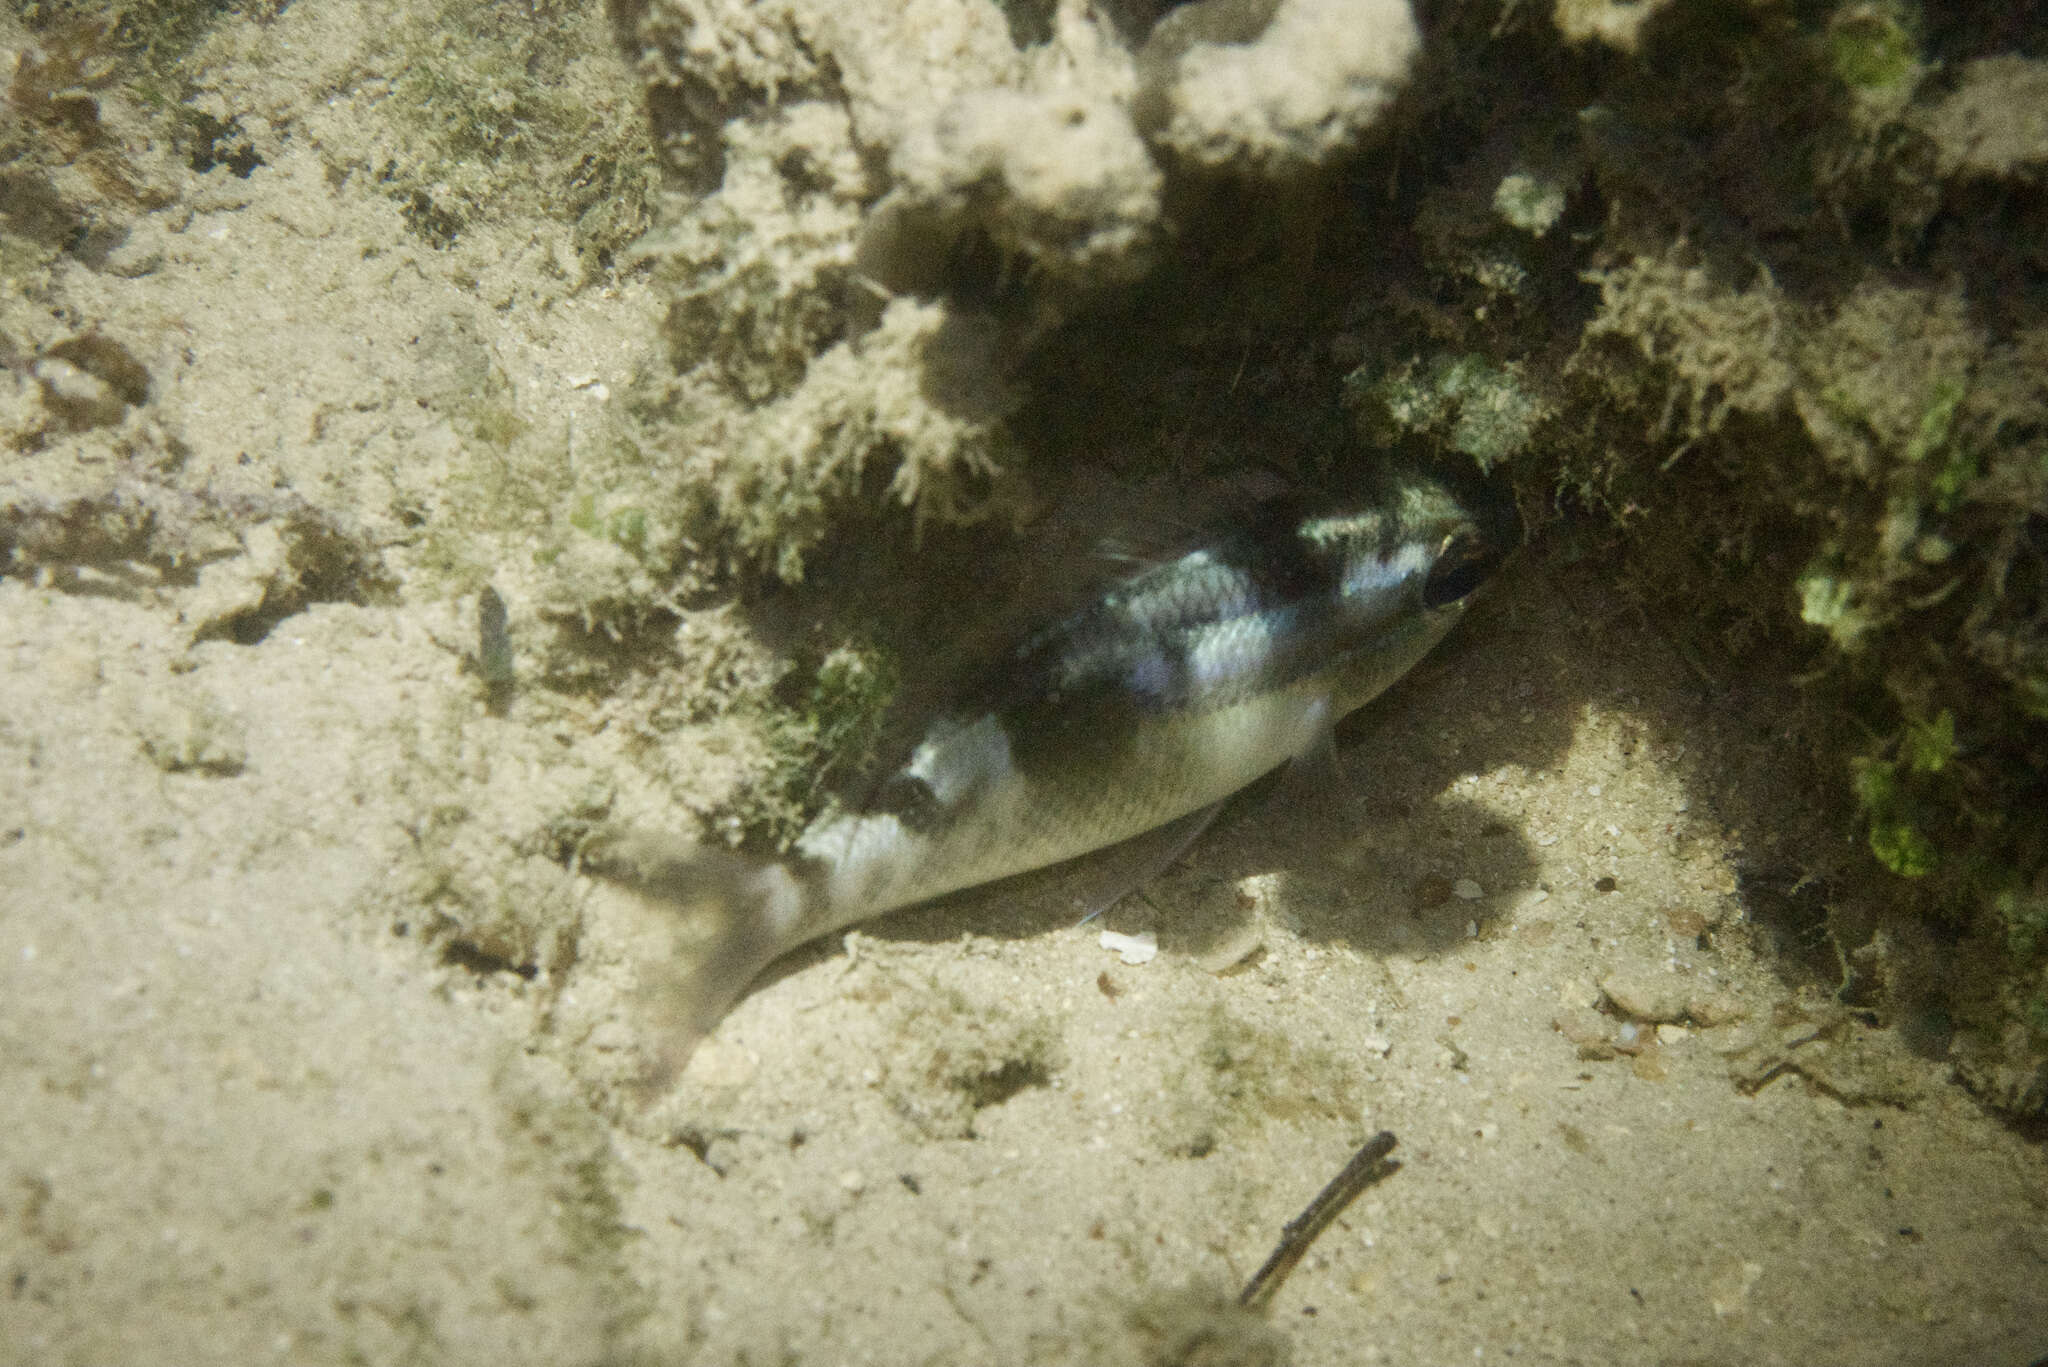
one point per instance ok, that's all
(1280, 597)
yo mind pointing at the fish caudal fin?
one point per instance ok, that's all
(738, 914)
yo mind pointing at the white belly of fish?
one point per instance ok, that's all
(992, 820)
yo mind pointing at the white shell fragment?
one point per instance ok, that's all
(1141, 948)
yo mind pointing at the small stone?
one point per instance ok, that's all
(1578, 992)
(1465, 889)
(1672, 1034)
(1649, 1066)
(237, 586)
(188, 732)
(721, 1155)
(1646, 996)
(1710, 1009)
(142, 254)
(1728, 1293)
(1685, 922)
(1235, 951)
(1592, 1032)
(718, 1063)
(77, 395)
(1141, 948)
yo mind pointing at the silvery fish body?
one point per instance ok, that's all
(1175, 688)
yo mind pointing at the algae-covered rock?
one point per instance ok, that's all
(1012, 187)
(1618, 23)
(1271, 88)
(1060, 182)
(1994, 123)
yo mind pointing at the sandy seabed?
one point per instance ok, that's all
(254, 1112)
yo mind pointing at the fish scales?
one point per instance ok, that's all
(1173, 689)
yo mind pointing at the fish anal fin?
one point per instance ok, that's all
(1312, 792)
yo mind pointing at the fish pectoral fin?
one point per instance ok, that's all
(1313, 792)
(726, 918)
(1316, 763)
(1123, 868)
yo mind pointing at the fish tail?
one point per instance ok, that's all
(740, 914)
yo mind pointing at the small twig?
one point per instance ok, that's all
(1368, 1166)
(494, 651)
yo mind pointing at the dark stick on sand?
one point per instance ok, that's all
(1366, 1167)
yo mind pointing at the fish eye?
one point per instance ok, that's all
(1466, 561)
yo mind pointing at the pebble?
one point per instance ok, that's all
(1465, 889)
(191, 732)
(1685, 922)
(1235, 950)
(717, 1063)
(1141, 948)
(1578, 992)
(1646, 996)
(238, 585)
(1709, 1009)
(76, 394)
(1592, 1032)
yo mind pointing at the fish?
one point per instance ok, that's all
(1139, 713)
